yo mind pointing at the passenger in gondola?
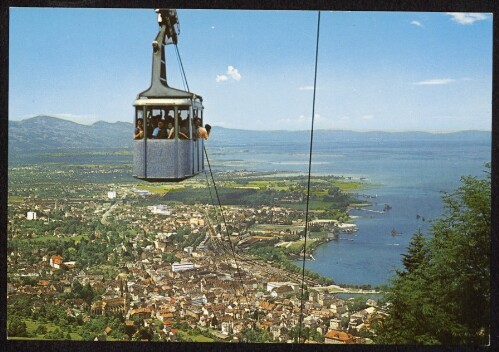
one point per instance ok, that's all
(183, 132)
(195, 128)
(184, 129)
(139, 130)
(160, 131)
(152, 123)
(169, 127)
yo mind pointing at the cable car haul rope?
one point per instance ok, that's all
(309, 174)
(166, 143)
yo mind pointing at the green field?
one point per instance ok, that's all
(194, 337)
(296, 246)
(15, 199)
(50, 238)
(59, 154)
(272, 227)
(272, 184)
(350, 185)
(160, 188)
(32, 325)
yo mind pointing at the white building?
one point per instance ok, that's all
(176, 267)
(335, 324)
(160, 209)
(111, 194)
(348, 228)
(142, 192)
(31, 215)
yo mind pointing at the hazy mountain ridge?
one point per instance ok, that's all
(224, 136)
(47, 133)
(42, 134)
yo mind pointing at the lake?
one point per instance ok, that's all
(407, 172)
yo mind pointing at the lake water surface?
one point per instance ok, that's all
(409, 175)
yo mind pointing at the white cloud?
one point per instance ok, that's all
(367, 117)
(417, 23)
(436, 81)
(467, 17)
(234, 73)
(221, 78)
(306, 88)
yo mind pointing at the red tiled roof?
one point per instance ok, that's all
(56, 259)
(339, 336)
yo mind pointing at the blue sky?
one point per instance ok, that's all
(393, 71)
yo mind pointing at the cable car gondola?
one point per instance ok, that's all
(175, 153)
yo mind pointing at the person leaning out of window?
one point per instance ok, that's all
(204, 132)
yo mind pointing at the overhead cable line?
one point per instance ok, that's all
(225, 224)
(308, 183)
(184, 77)
(211, 195)
(223, 247)
(186, 86)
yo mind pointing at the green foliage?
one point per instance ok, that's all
(53, 313)
(417, 254)
(344, 322)
(56, 334)
(17, 327)
(255, 335)
(357, 304)
(299, 334)
(97, 325)
(85, 292)
(170, 258)
(143, 334)
(280, 256)
(41, 329)
(443, 294)
(333, 214)
(272, 192)
(193, 239)
(20, 306)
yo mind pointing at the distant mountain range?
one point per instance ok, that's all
(235, 136)
(46, 134)
(43, 134)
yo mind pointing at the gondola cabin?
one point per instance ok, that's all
(165, 146)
